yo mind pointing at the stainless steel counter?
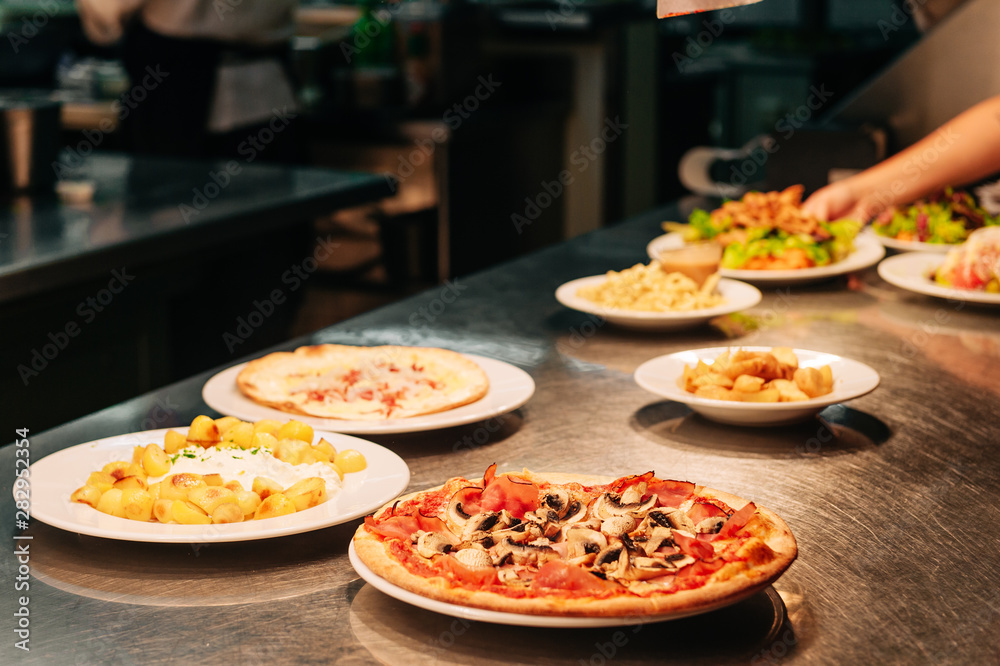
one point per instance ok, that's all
(892, 497)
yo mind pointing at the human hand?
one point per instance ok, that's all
(842, 199)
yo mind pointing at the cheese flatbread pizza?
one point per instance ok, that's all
(363, 383)
(558, 544)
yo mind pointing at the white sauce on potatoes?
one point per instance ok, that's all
(244, 465)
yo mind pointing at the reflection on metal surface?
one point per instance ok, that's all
(188, 575)
(396, 633)
(838, 430)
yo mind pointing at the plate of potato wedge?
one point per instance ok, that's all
(161, 486)
(756, 386)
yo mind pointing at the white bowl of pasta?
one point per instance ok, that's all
(689, 310)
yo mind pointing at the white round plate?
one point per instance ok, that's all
(510, 387)
(851, 379)
(867, 252)
(910, 271)
(522, 619)
(56, 476)
(914, 246)
(738, 295)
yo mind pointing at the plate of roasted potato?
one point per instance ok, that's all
(757, 386)
(218, 480)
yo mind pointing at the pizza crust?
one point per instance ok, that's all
(283, 380)
(771, 551)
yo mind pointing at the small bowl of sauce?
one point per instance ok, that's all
(698, 260)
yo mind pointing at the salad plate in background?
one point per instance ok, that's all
(935, 224)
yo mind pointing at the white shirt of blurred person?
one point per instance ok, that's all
(251, 81)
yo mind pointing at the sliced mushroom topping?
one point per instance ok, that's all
(679, 520)
(484, 539)
(633, 494)
(658, 517)
(607, 559)
(430, 544)
(576, 512)
(659, 537)
(618, 525)
(456, 513)
(558, 500)
(507, 574)
(644, 568)
(611, 504)
(710, 525)
(545, 519)
(583, 541)
(474, 558)
(679, 560)
(520, 553)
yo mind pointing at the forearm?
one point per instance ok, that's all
(104, 20)
(961, 151)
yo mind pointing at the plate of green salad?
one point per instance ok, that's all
(768, 240)
(934, 224)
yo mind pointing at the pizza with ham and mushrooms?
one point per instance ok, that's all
(363, 383)
(558, 544)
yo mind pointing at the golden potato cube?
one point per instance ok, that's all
(715, 393)
(188, 513)
(101, 480)
(154, 490)
(131, 482)
(135, 469)
(155, 461)
(827, 375)
(233, 485)
(350, 461)
(210, 497)
(789, 390)
(204, 432)
(263, 440)
(307, 493)
(810, 381)
(786, 356)
(265, 487)
(296, 430)
(291, 450)
(116, 469)
(332, 465)
(226, 422)
(274, 506)
(177, 486)
(227, 513)
(748, 384)
(111, 503)
(325, 449)
(173, 441)
(248, 501)
(713, 379)
(239, 436)
(270, 426)
(86, 495)
(766, 395)
(137, 452)
(213, 479)
(311, 456)
(162, 510)
(138, 504)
